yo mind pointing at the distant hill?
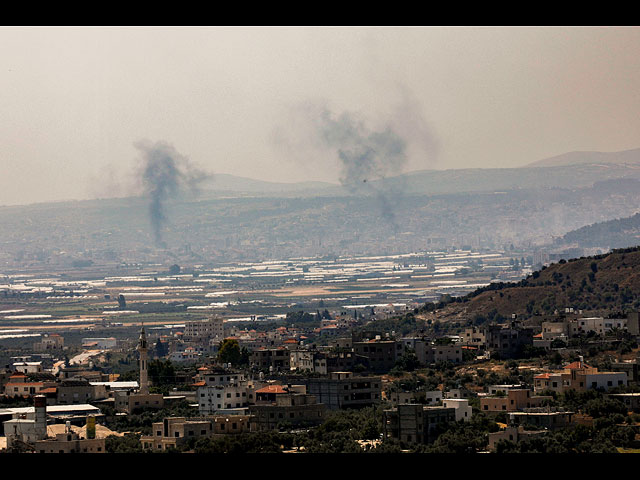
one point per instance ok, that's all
(618, 233)
(605, 283)
(436, 182)
(232, 183)
(582, 158)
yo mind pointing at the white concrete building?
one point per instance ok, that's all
(462, 407)
(27, 367)
(211, 328)
(220, 390)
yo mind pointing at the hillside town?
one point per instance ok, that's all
(210, 387)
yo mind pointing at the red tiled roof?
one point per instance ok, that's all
(49, 390)
(272, 389)
(542, 375)
(199, 384)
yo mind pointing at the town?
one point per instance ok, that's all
(311, 356)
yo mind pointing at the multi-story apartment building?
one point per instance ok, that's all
(271, 359)
(507, 341)
(345, 390)
(220, 389)
(381, 354)
(290, 405)
(211, 328)
(473, 336)
(415, 423)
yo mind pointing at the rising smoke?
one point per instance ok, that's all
(371, 159)
(165, 174)
(367, 157)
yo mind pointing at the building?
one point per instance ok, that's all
(474, 336)
(578, 376)
(75, 414)
(381, 354)
(276, 359)
(222, 389)
(131, 402)
(511, 401)
(71, 441)
(20, 385)
(76, 391)
(345, 390)
(27, 367)
(540, 418)
(49, 342)
(279, 405)
(513, 434)
(26, 431)
(174, 432)
(415, 423)
(461, 406)
(442, 353)
(209, 329)
(507, 341)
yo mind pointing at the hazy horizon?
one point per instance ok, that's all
(248, 101)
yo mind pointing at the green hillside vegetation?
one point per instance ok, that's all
(607, 283)
(618, 233)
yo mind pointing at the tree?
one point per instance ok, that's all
(229, 352)
(129, 443)
(174, 269)
(162, 372)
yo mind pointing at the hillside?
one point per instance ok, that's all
(436, 182)
(604, 283)
(581, 158)
(618, 233)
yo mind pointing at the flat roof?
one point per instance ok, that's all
(133, 384)
(51, 409)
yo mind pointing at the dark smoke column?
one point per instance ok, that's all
(165, 175)
(365, 155)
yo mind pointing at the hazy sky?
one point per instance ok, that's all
(74, 101)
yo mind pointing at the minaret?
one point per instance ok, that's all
(142, 349)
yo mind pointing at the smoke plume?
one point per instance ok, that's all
(366, 157)
(371, 156)
(165, 174)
